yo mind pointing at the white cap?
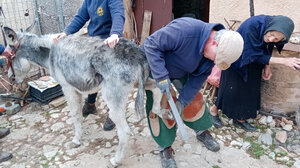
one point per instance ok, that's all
(229, 49)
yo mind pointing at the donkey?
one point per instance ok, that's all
(84, 65)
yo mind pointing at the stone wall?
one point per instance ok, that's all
(282, 91)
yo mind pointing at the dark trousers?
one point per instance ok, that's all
(92, 98)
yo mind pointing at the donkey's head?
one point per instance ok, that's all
(18, 66)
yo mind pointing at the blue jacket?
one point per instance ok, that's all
(2, 48)
(176, 50)
(255, 49)
(106, 18)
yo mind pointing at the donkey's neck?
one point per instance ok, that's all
(36, 49)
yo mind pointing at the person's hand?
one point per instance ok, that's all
(112, 40)
(7, 52)
(294, 63)
(59, 36)
(164, 86)
(266, 75)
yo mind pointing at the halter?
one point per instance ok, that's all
(11, 56)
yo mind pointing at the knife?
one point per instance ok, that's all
(177, 117)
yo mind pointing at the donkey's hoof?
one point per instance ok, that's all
(75, 144)
(113, 162)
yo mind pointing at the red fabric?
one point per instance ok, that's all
(214, 77)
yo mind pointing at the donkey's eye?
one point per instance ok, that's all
(11, 36)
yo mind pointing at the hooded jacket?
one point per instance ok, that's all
(176, 50)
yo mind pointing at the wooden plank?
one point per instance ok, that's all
(128, 31)
(146, 25)
(58, 101)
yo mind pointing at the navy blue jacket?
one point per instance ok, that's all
(106, 18)
(255, 49)
(2, 48)
(176, 50)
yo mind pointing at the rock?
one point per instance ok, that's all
(272, 124)
(297, 164)
(50, 151)
(262, 120)
(57, 126)
(272, 155)
(236, 143)
(131, 105)
(282, 124)
(228, 137)
(283, 159)
(249, 134)
(290, 122)
(107, 145)
(296, 142)
(288, 127)
(239, 131)
(281, 149)
(269, 119)
(283, 119)
(269, 131)
(66, 109)
(54, 111)
(265, 139)
(146, 132)
(187, 147)
(246, 145)
(281, 136)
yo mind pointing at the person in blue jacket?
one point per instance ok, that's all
(184, 52)
(4, 156)
(106, 21)
(239, 91)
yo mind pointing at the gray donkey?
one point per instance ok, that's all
(84, 65)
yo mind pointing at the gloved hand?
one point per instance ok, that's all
(164, 85)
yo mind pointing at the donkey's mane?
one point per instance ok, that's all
(34, 41)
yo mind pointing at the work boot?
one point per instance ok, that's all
(109, 124)
(5, 156)
(209, 141)
(88, 109)
(4, 132)
(216, 121)
(167, 158)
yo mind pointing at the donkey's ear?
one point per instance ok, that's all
(10, 35)
(31, 27)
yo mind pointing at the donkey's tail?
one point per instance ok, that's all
(139, 101)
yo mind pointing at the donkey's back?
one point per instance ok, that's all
(85, 62)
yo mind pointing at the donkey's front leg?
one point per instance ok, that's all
(74, 100)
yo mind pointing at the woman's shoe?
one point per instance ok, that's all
(244, 125)
(216, 121)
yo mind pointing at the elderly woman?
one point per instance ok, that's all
(239, 92)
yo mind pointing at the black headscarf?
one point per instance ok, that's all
(282, 24)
